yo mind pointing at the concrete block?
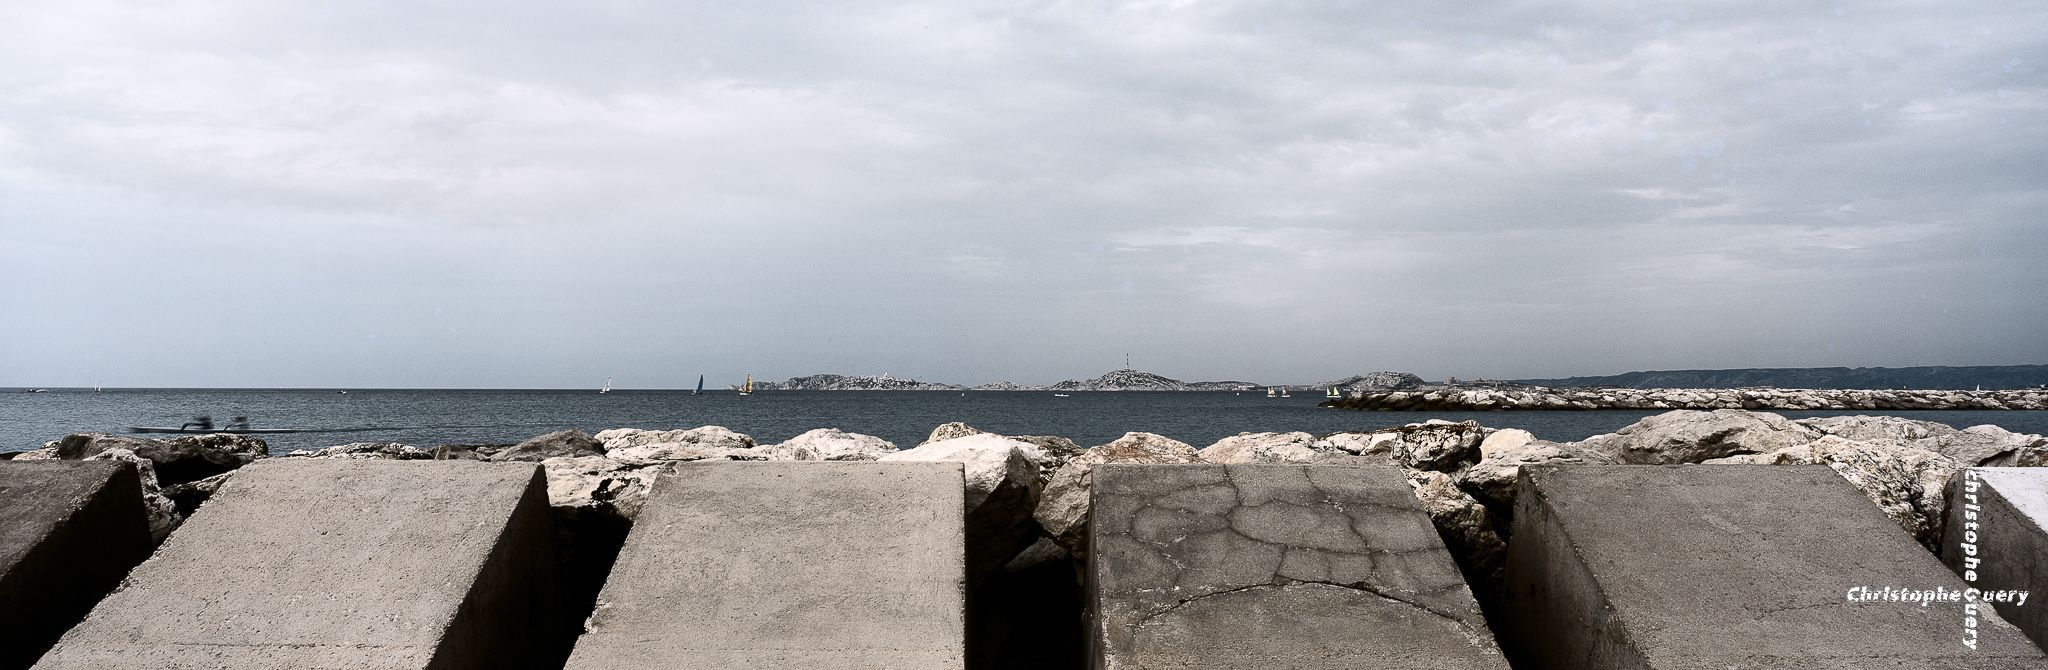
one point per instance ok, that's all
(330, 564)
(68, 531)
(1727, 566)
(1997, 540)
(1274, 566)
(789, 565)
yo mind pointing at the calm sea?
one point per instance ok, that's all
(427, 418)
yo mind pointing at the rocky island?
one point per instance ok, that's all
(830, 382)
(1126, 379)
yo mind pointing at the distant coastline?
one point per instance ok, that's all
(1950, 378)
(1536, 398)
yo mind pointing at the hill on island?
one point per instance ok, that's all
(1134, 380)
(1990, 377)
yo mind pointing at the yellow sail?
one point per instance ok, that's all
(749, 388)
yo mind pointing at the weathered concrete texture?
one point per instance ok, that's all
(1726, 566)
(68, 531)
(360, 564)
(1274, 566)
(791, 565)
(2003, 512)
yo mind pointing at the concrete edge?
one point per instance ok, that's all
(1534, 514)
(1951, 538)
(511, 616)
(103, 570)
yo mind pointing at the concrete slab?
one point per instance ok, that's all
(360, 564)
(1997, 540)
(1727, 566)
(69, 530)
(1274, 566)
(789, 565)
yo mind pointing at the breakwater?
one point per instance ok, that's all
(1538, 398)
(1426, 545)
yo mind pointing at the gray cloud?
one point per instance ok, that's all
(490, 194)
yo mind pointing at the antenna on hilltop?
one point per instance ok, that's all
(1127, 361)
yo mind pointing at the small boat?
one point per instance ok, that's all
(208, 431)
(700, 386)
(1061, 395)
(1333, 393)
(1283, 392)
(36, 391)
(748, 389)
(607, 386)
(1272, 392)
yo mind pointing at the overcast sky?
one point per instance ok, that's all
(450, 194)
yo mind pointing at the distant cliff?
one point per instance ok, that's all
(1927, 377)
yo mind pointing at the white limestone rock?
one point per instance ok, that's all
(1465, 524)
(1063, 509)
(1883, 430)
(1049, 452)
(600, 484)
(569, 443)
(1492, 479)
(719, 437)
(829, 444)
(367, 450)
(1296, 447)
(1505, 440)
(950, 430)
(1003, 488)
(1986, 444)
(161, 511)
(1692, 436)
(1436, 444)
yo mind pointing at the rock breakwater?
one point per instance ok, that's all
(1540, 398)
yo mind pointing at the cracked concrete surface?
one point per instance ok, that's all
(1263, 566)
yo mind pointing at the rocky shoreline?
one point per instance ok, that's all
(1028, 498)
(1539, 398)
(1033, 490)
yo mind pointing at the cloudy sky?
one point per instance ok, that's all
(239, 193)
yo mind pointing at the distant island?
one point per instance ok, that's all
(1986, 377)
(1114, 380)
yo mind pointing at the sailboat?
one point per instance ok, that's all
(1333, 393)
(1272, 392)
(607, 386)
(748, 389)
(1283, 392)
(700, 386)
